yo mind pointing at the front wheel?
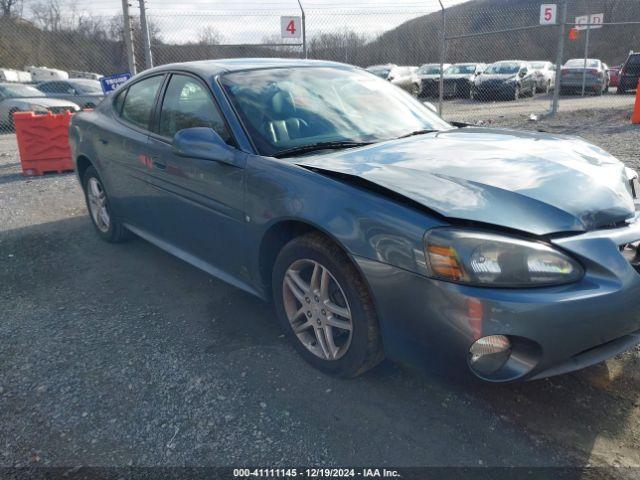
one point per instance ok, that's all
(325, 308)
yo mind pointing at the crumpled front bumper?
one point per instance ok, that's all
(561, 328)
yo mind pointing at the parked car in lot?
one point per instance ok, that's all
(429, 77)
(596, 78)
(459, 78)
(381, 71)
(545, 73)
(86, 93)
(510, 79)
(16, 97)
(375, 227)
(406, 77)
(630, 73)
(614, 76)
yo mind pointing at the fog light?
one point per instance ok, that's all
(488, 354)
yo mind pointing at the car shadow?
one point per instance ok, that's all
(141, 302)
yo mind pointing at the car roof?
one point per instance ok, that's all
(214, 67)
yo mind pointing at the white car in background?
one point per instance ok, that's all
(545, 73)
(15, 97)
(406, 78)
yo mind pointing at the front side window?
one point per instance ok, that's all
(138, 104)
(187, 104)
(285, 108)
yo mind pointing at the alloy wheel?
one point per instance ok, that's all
(317, 309)
(98, 204)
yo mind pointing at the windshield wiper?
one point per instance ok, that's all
(417, 132)
(312, 147)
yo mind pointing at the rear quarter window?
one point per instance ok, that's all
(140, 100)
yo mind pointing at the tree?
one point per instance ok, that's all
(10, 8)
(208, 35)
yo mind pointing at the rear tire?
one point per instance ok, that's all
(335, 322)
(109, 228)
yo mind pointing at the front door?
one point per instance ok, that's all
(201, 210)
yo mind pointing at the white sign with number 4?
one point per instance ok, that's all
(290, 27)
(548, 13)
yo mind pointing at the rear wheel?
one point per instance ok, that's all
(325, 308)
(108, 227)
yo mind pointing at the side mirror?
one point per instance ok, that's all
(203, 143)
(523, 73)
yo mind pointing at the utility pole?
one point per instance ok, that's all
(146, 38)
(304, 31)
(559, 57)
(443, 47)
(128, 42)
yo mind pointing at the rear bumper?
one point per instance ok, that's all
(554, 330)
(590, 82)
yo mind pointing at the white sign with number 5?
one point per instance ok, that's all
(290, 27)
(548, 13)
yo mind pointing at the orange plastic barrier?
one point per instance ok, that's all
(43, 142)
(635, 116)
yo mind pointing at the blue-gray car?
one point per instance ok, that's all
(376, 228)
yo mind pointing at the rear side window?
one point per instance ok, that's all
(139, 101)
(187, 104)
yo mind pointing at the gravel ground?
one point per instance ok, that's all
(115, 355)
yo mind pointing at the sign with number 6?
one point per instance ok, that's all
(290, 27)
(548, 14)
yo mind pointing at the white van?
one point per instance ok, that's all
(43, 74)
(12, 75)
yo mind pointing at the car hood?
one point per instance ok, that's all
(458, 76)
(496, 76)
(43, 101)
(528, 181)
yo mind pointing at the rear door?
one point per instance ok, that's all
(202, 210)
(122, 144)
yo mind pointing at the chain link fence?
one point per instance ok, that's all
(82, 40)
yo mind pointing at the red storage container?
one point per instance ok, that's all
(43, 142)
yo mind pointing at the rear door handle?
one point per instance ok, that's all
(159, 165)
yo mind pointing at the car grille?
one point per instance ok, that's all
(631, 253)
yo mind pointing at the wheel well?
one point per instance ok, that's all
(275, 239)
(81, 166)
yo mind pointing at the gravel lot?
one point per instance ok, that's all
(115, 355)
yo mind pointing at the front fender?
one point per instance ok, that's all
(365, 222)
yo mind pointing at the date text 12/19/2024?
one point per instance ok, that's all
(314, 473)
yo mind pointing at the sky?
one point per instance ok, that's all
(252, 21)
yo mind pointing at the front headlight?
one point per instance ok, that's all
(487, 259)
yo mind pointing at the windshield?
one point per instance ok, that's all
(88, 86)
(459, 69)
(538, 65)
(429, 70)
(579, 63)
(286, 108)
(19, 91)
(503, 68)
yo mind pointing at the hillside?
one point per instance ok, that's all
(418, 41)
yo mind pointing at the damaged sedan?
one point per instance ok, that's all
(373, 226)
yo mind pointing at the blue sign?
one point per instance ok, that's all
(111, 82)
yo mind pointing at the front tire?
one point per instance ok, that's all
(109, 228)
(325, 308)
